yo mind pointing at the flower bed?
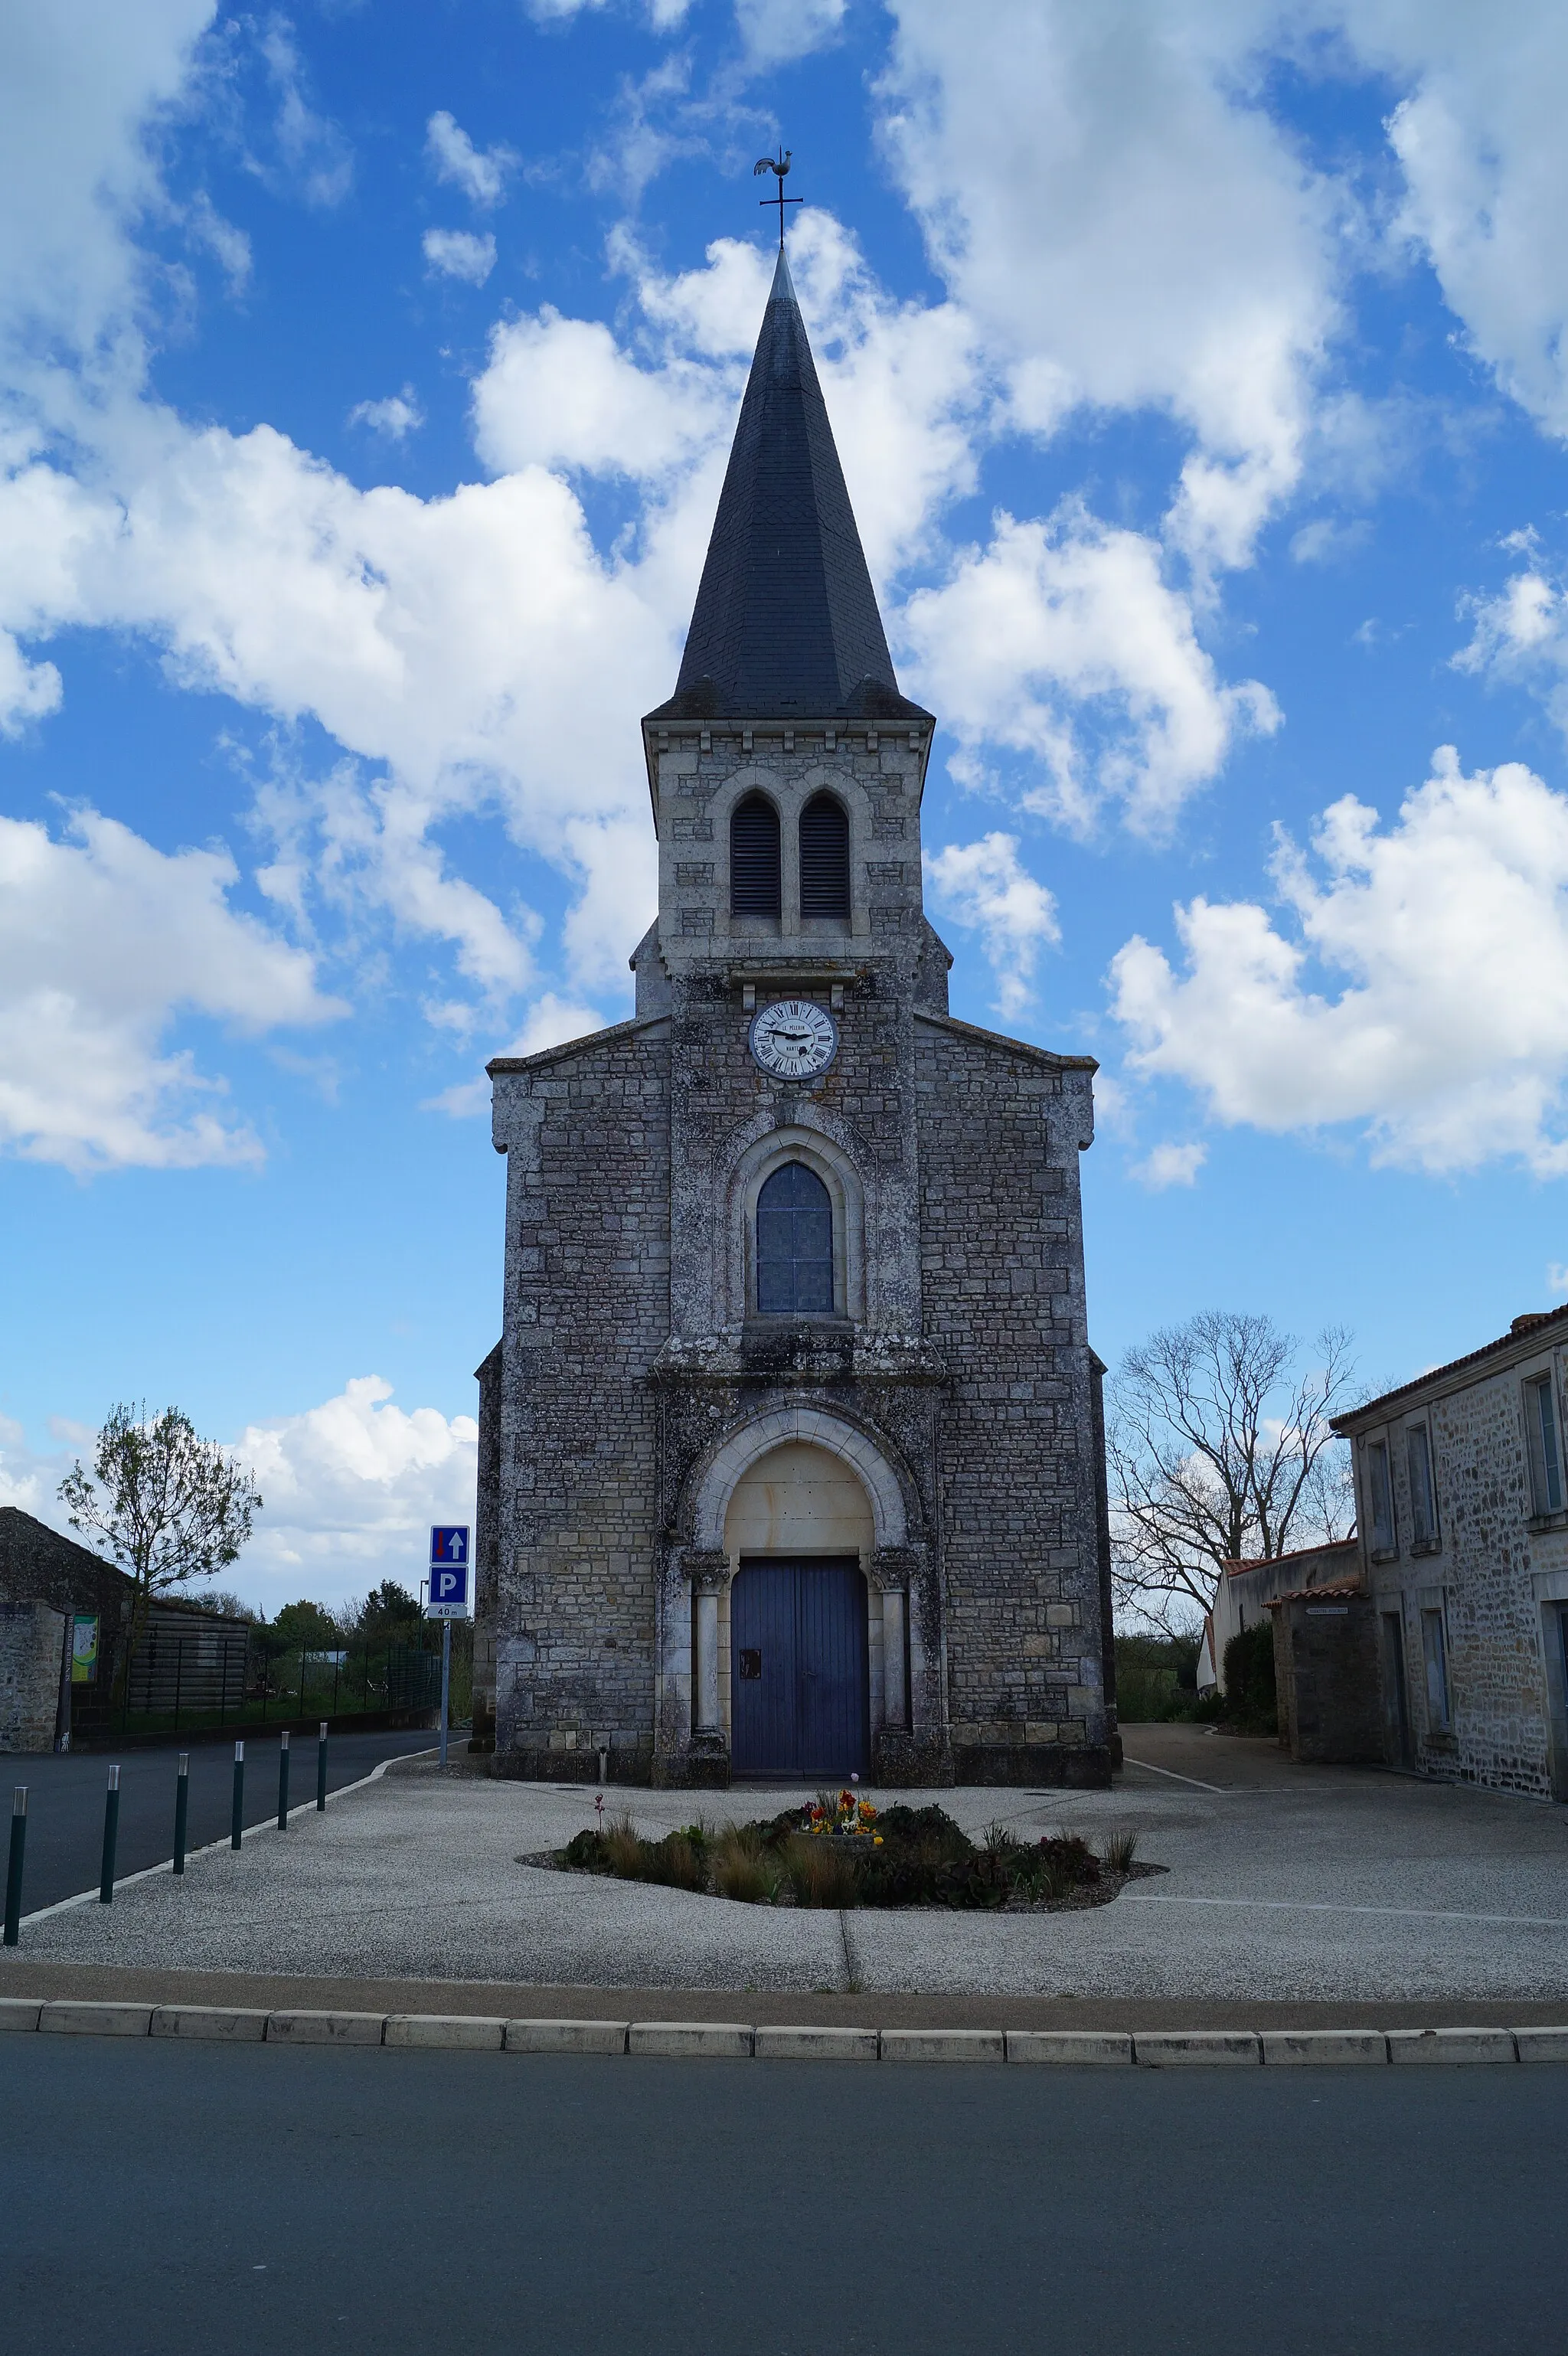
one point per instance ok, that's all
(840, 1851)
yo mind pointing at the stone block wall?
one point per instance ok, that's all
(32, 1640)
(586, 1131)
(1001, 1130)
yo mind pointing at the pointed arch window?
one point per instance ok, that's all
(794, 1244)
(755, 863)
(825, 858)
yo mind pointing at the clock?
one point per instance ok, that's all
(794, 1039)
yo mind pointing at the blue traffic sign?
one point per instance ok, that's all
(449, 1542)
(448, 1591)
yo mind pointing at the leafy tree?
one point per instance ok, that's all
(171, 1506)
(307, 1627)
(1219, 1449)
(388, 1613)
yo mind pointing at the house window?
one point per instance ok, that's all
(755, 864)
(825, 858)
(1435, 1649)
(1545, 1459)
(1423, 1511)
(1382, 1497)
(794, 1244)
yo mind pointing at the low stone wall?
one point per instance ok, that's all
(32, 1641)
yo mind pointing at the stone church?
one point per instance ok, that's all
(791, 1459)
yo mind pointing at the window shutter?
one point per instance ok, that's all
(755, 865)
(825, 858)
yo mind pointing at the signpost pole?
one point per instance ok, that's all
(182, 1809)
(445, 1682)
(448, 1588)
(14, 1869)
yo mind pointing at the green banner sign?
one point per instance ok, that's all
(84, 1649)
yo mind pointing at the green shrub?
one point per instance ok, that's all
(820, 1870)
(1251, 1705)
(1156, 1677)
(920, 1858)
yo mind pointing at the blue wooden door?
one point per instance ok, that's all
(799, 1691)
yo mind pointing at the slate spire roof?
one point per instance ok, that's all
(785, 624)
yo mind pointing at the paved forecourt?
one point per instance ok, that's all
(1324, 1884)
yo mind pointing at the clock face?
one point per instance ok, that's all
(794, 1039)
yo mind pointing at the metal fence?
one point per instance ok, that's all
(193, 1676)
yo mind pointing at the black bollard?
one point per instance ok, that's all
(14, 1870)
(321, 1767)
(110, 1835)
(182, 1809)
(237, 1817)
(283, 1781)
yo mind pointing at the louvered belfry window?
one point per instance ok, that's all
(755, 866)
(825, 858)
(794, 1244)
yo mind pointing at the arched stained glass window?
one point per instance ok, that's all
(794, 1244)
(755, 865)
(825, 858)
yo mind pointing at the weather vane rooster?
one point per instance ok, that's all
(779, 164)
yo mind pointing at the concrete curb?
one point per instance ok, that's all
(739, 2040)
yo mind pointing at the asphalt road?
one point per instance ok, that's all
(167, 2197)
(65, 1800)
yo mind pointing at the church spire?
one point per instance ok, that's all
(786, 625)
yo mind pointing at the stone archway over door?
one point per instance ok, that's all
(798, 1532)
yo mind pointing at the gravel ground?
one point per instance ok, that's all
(1318, 1883)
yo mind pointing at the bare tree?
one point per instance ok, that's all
(1219, 1449)
(171, 1506)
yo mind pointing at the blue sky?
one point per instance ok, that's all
(365, 378)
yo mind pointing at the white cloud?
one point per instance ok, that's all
(397, 416)
(984, 885)
(76, 166)
(1478, 136)
(314, 160)
(551, 1022)
(29, 1479)
(777, 31)
(562, 394)
(103, 941)
(458, 253)
(1128, 227)
(1521, 636)
(229, 247)
(481, 173)
(350, 1489)
(1171, 1165)
(1424, 994)
(1062, 641)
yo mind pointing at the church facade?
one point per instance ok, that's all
(791, 1452)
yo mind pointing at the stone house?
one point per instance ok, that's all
(1463, 1514)
(790, 1460)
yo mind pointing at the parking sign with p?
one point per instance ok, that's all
(448, 1572)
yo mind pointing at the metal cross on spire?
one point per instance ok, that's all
(779, 164)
